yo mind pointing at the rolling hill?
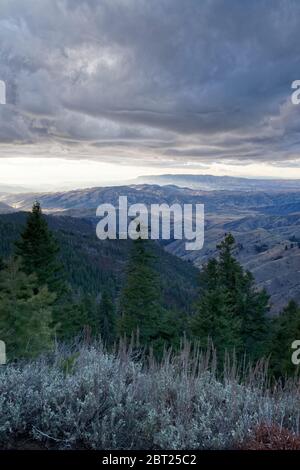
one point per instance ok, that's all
(266, 225)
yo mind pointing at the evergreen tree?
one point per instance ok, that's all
(230, 311)
(106, 319)
(76, 316)
(174, 327)
(38, 251)
(247, 303)
(140, 301)
(253, 306)
(69, 319)
(214, 318)
(285, 330)
(25, 313)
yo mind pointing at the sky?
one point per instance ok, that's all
(100, 91)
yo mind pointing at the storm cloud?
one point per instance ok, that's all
(169, 79)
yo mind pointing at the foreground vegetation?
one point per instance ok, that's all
(85, 397)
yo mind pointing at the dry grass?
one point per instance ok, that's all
(271, 437)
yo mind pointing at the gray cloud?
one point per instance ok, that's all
(205, 80)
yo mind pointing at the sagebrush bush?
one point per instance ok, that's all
(111, 401)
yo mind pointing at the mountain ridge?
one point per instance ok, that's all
(213, 182)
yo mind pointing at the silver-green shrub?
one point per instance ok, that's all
(110, 401)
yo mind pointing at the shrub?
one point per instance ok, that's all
(111, 401)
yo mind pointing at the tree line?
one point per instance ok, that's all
(37, 305)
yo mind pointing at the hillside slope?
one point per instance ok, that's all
(93, 265)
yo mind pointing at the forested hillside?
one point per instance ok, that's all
(94, 266)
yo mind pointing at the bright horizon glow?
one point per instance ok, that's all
(55, 173)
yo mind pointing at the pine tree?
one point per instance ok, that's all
(230, 310)
(25, 313)
(76, 317)
(39, 250)
(247, 303)
(214, 320)
(140, 301)
(253, 306)
(106, 319)
(285, 330)
(69, 319)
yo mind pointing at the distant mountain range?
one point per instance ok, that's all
(82, 201)
(199, 182)
(265, 223)
(212, 183)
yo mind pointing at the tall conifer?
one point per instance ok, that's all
(39, 250)
(140, 301)
(230, 310)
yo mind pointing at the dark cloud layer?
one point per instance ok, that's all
(188, 79)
